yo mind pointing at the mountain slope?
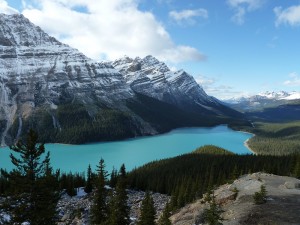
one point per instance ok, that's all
(262, 100)
(153, 78)
(69, 98)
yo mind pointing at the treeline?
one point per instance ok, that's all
(77, 123)
(275, 138)
(189, 176)
(32, 190)
(165, 117)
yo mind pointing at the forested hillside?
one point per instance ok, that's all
(274, 138)
(188, 176)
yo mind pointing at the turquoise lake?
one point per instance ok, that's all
(138, 151)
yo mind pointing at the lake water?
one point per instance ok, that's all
(138, 151)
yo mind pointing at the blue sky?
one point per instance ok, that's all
(232, 47)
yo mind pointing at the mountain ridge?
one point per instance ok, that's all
(42, 78)
(263, 100)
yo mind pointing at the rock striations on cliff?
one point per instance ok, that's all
(41, 77)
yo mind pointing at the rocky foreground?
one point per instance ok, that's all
(282, 206)
(236, 200)
(76, 210)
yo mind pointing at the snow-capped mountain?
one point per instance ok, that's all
(153, 78)
(262, 100)
(281, 95)
(41, 80)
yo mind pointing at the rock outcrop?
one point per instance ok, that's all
(76, 210)
(236, 200)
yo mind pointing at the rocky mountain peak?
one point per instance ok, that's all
(16, 30)
(40, 74)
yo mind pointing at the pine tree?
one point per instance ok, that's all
(113, 178)
(47, 197)
(70, 187)
(99, 210)
(260, 197)
(147, 211)
(34, 194)
(119, 210)
(164, 218)
(296, 171)
(89, 187)
(212, 215)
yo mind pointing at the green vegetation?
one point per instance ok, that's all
(276, 138)
(118, 208)
(189, 176)
(33, 189)
(277, 113)
(164, 116)
(164, 218)
(99, 209)
(147, 211)
(89, 180)
(213, 150)
(260, 197)
(74, 123)
(212, 215)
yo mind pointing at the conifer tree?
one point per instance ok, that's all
(164, 218)
(119, 210)
(34, 194)
(212, 215)
(260, 197)
(89, 187)
(147, 211)
(99, 210)
(296, 171)
(113, 178)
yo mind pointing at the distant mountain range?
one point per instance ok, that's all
(269, 106)
(262, 100)
(69, 98)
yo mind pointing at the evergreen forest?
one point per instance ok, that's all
(33, 187)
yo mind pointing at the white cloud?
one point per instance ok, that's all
(188, 15)
(213, 87)
(238, 17)
(108, 29)
(241, 7)
(294, 80)
(205, 81)
(224, 92)
(4, 8)
(289, 15)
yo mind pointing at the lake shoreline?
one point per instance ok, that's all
(141, 150)
(247, 141)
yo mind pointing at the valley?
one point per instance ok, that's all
(136, 152)
(135, 140)
(49, 86)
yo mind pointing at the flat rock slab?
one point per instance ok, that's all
(282, 206)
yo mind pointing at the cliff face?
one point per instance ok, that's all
(153, 78)
(39, 75)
